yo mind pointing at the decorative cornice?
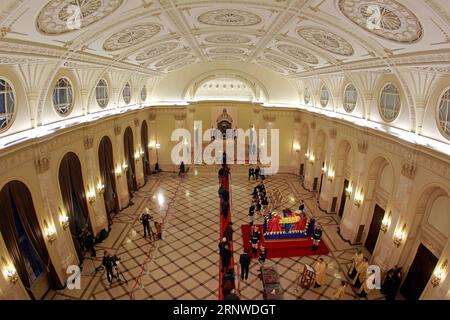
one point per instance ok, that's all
(180, 116)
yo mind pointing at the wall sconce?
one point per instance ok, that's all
(100, 187)
(125, 166)
(438, 274)
(349, 190)
(324, 169)
(386, 223)
(50, 232)
(330, 175)
(9, 271)
(118, 171)
(311, 158)
(297, 148)
(158, 146)
(137, 156)
(91, 196)
(399, 236)
(150, 146)
(63, 219)
(358, 200)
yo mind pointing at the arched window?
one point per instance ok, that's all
(389, 105)
(126, 93)
(324, 96)
(350, 98)
(101, 93)
(144, 93)
(306, 96)
(63, 97)
(7, 101)
(444, 114)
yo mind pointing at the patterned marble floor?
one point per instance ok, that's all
(184, 264)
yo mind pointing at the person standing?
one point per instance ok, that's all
(182, 170)
(301, 207)
(250, 173)
(89, 243)
(107, 263)
(262, 255)
(321, 272)
(224, 159)
(251, 214)
(225, 207)
(145, 219)
(364, 287)
(254, 239)
(357, 259)
(317, 235)
(226, 257)
(361, 274)
(228, 232)
(256, 172)
(244, 261)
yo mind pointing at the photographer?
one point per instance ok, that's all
(108, 264)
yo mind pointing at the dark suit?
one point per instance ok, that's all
(244, 260)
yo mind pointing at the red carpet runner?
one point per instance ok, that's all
(284, 248)
(223, 224)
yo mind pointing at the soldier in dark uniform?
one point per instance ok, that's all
(145, 219)
(254, 239)
(250, 173)
(317, 235)
(244, 261)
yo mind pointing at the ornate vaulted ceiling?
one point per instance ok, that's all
(292, 37)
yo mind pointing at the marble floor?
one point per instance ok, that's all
(185, 263)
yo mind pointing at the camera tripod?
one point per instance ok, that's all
(95, 269)
(117, 273)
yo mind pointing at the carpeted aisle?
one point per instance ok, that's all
(284, 248)
(223, 224)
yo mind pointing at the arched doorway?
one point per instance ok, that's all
(74, 199)
(106, 164)
(144, 145)
(24, 240)
(128, 145)
(430, 237)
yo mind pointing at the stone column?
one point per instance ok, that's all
(327, 192)
(139, 169)
(353, 214)
(310, 167)
(387, 253)
(121, 179)
(97, 209)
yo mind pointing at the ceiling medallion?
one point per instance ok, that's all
(229, 17)
(272, 66)
(385, 18)
(326, 40)
(62, 16)
(281, 61)
(156, 51)
(298, 53)
(180, 65)
(131, 36)
(236, 51)
(169, 60)
(227, 39)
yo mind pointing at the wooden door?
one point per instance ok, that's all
(374, 229)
